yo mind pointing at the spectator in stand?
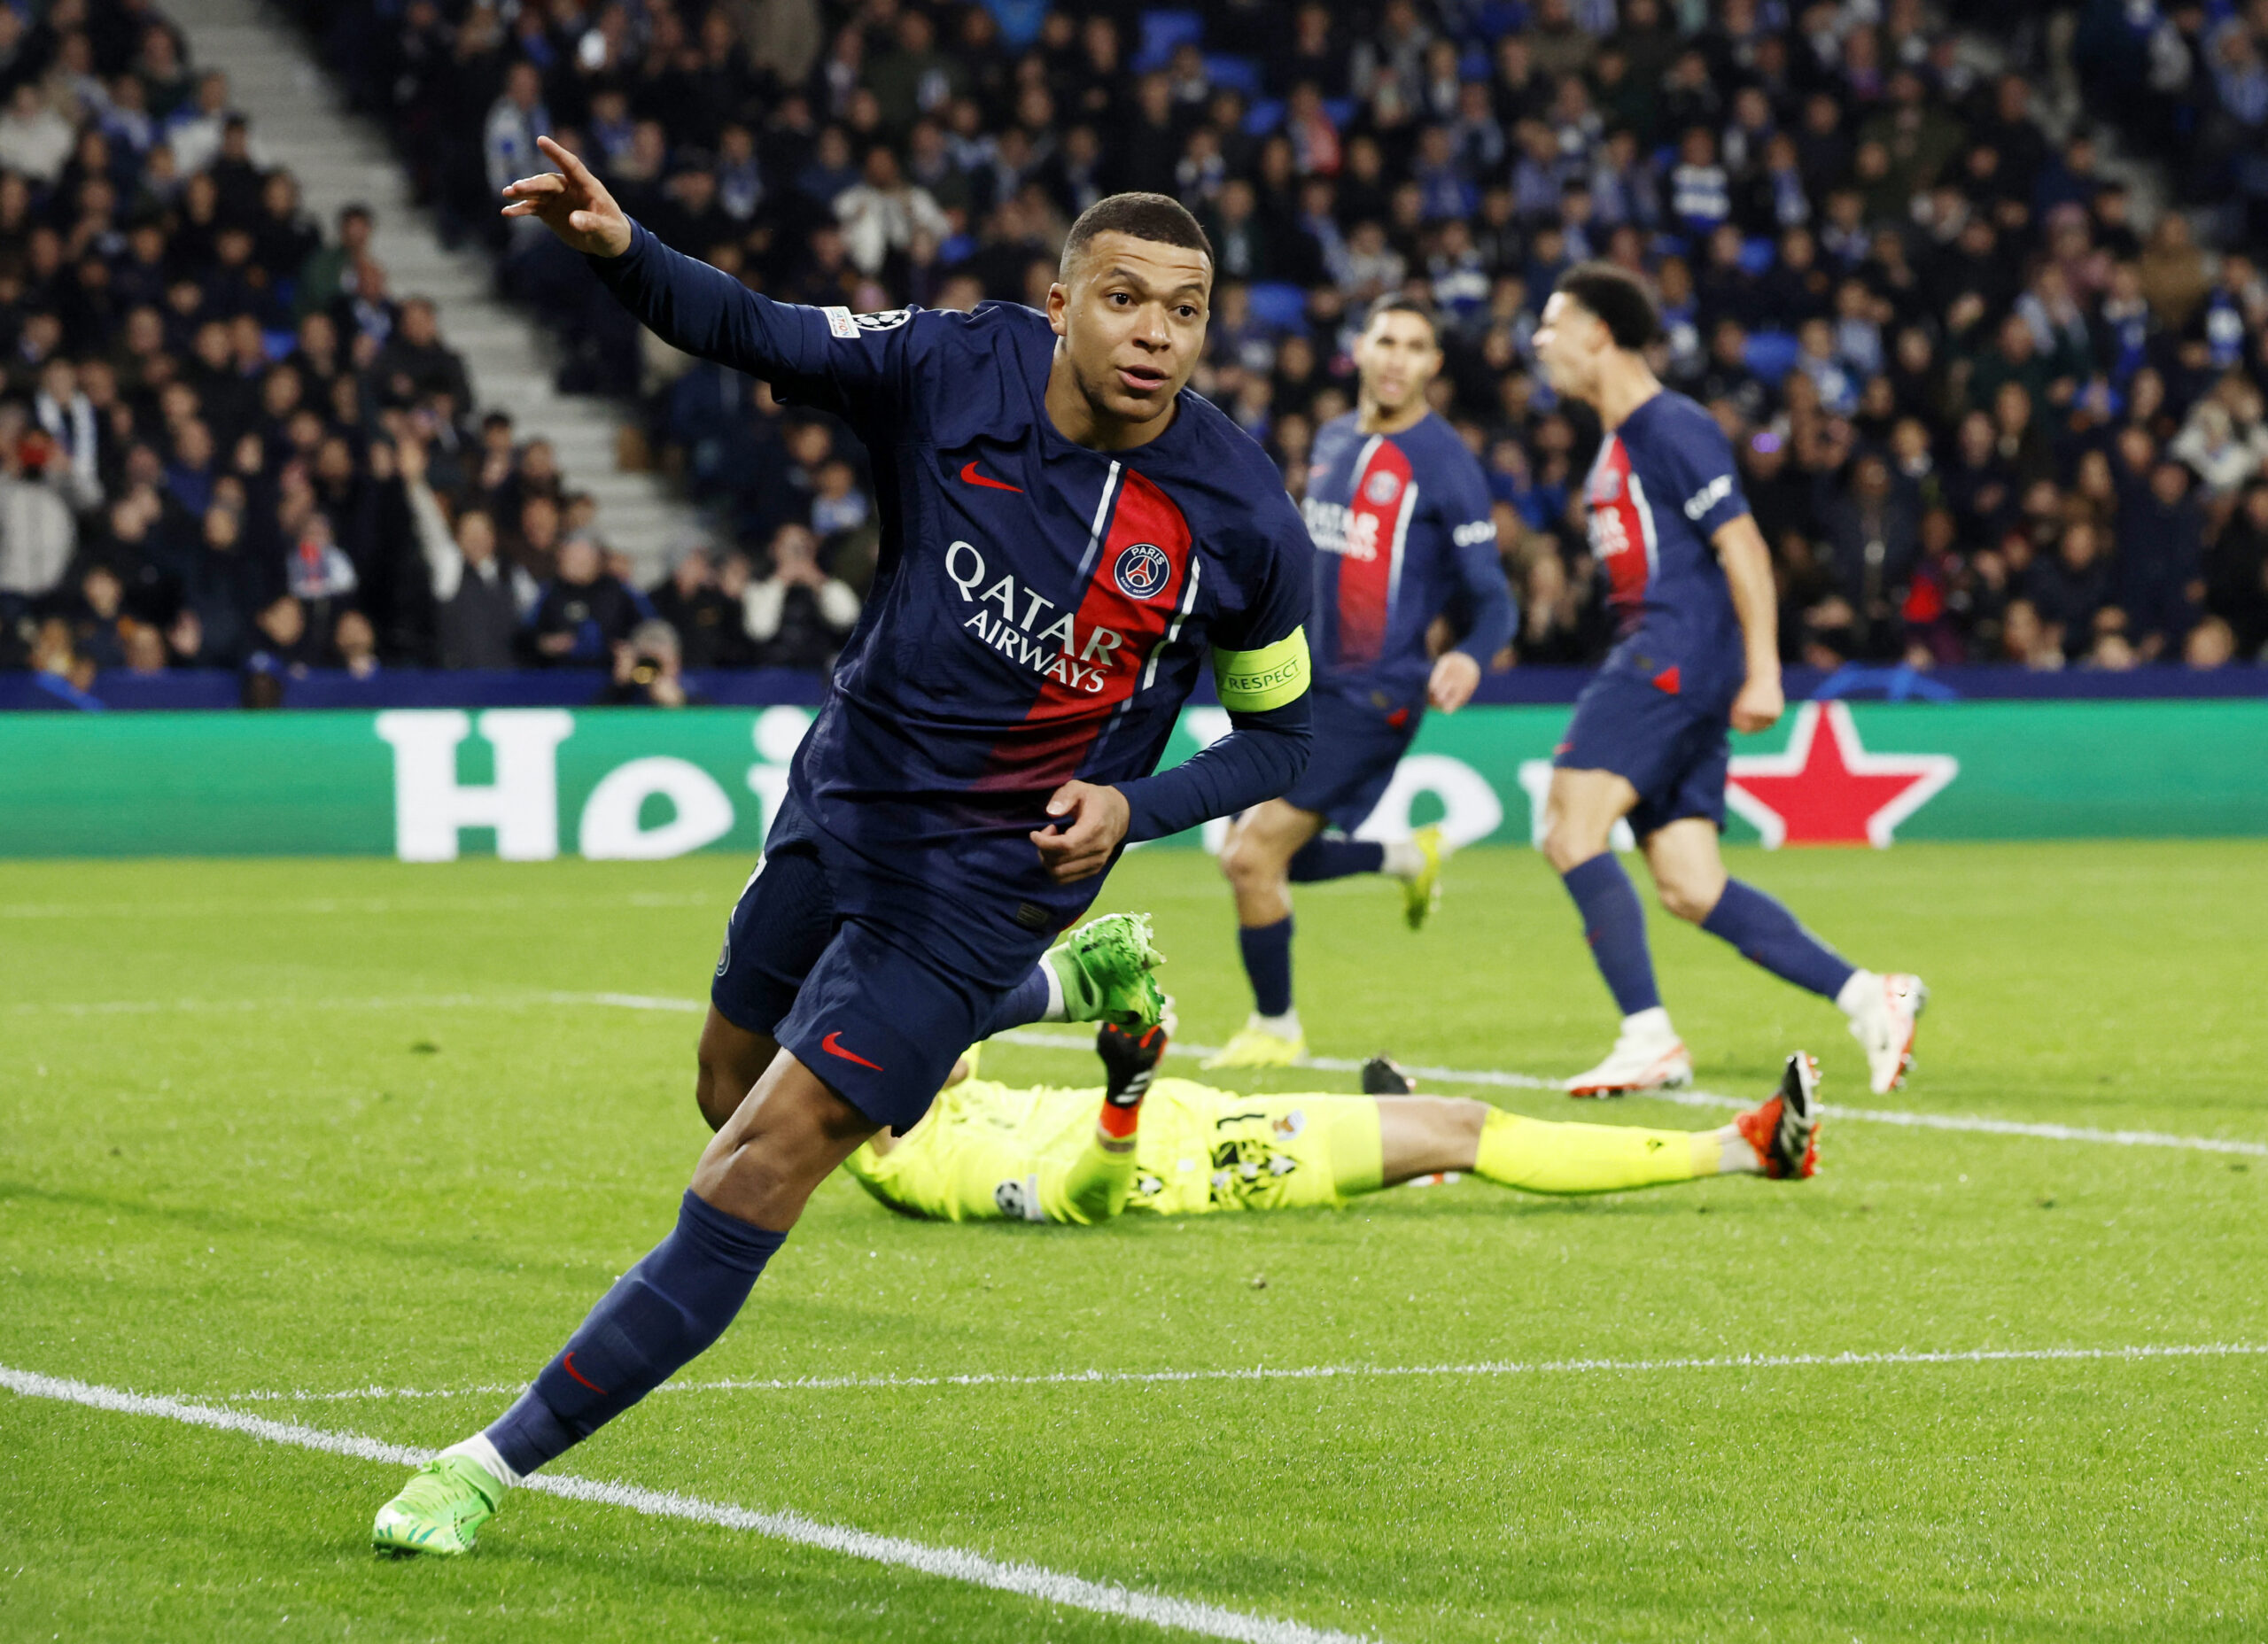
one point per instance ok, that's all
(38, 531)
(414, 366)
(583, 612)
(649, 670)
(355, 643)
(1994, 313)
(328, 273)
(798, 616)
(480, 603)
(707, 623)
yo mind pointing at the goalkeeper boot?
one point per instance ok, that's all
(1262, 1042)
(1648, 1055)
(1421, 892)
(1131, 1060)
(1885, 1011)
(1784, 1131)
(1383, 1077)
(1104, 966)
(439, 1510)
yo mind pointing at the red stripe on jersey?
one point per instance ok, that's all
(1131, 598)
(1366, 581)
(1619, 530)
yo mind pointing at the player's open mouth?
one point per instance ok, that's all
(1141, 379)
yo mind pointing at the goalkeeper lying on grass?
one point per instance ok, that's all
(986, 1151)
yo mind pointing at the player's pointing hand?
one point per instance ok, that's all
(1087, 821)
(573, 204)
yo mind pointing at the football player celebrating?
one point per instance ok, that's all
(1692, 581)
(1400, 514)
(1066, 535)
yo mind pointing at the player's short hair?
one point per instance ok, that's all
(1157, 217)
(1617, 298)
(1395, 302)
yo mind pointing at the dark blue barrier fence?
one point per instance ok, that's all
(757, 687)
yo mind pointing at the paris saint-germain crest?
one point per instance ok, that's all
(1142, 570)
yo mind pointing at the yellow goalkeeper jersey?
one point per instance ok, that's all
(990, 1151)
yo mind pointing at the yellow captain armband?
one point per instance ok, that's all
(1252, 681)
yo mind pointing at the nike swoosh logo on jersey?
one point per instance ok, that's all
(968, 472)
(833, 1045)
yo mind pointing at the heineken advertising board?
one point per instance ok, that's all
(429, 785)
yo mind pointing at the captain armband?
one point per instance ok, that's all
(1255, 681)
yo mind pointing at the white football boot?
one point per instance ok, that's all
(1648, 1055)
(1883, 1013)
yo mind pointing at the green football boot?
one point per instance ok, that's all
(1421, 892)
(439, 1510)
(1105, 968)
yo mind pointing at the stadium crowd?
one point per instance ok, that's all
(1986, 413)
(225, 441)
(1988, 407)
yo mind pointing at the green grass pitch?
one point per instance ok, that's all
(332, 1132)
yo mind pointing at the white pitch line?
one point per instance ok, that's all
(1336, 1372)
(1489, 1077)
(1498, 1078)
(1049, 1586)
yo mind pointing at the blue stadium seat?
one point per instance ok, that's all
(1162, 33)
(1770, 354)
(1755, 255)
(1342, 111)
(1019, 20)
(1280, 305)
(1234, 74)
(1264, 115)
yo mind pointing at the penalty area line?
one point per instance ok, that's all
(1049, 1586)
(1891, 1358)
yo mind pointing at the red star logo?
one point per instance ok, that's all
(1829, 790)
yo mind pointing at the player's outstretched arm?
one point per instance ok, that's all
(573, 204)
(703, 310)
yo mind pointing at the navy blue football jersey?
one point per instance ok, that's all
(1661, 487)
(1401, 523)
(1040, 611)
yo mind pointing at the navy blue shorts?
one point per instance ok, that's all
(1352, 758)
(1673, 753)
(880, 1024)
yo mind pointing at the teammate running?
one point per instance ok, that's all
(1066, 534)
(1400, 514)
(1692, 580)
(988, 1153)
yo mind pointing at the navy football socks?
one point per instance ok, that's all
(1766, 933)
(661, 1314)
(1267, 951)
(1322, 858)
(1615, 926)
